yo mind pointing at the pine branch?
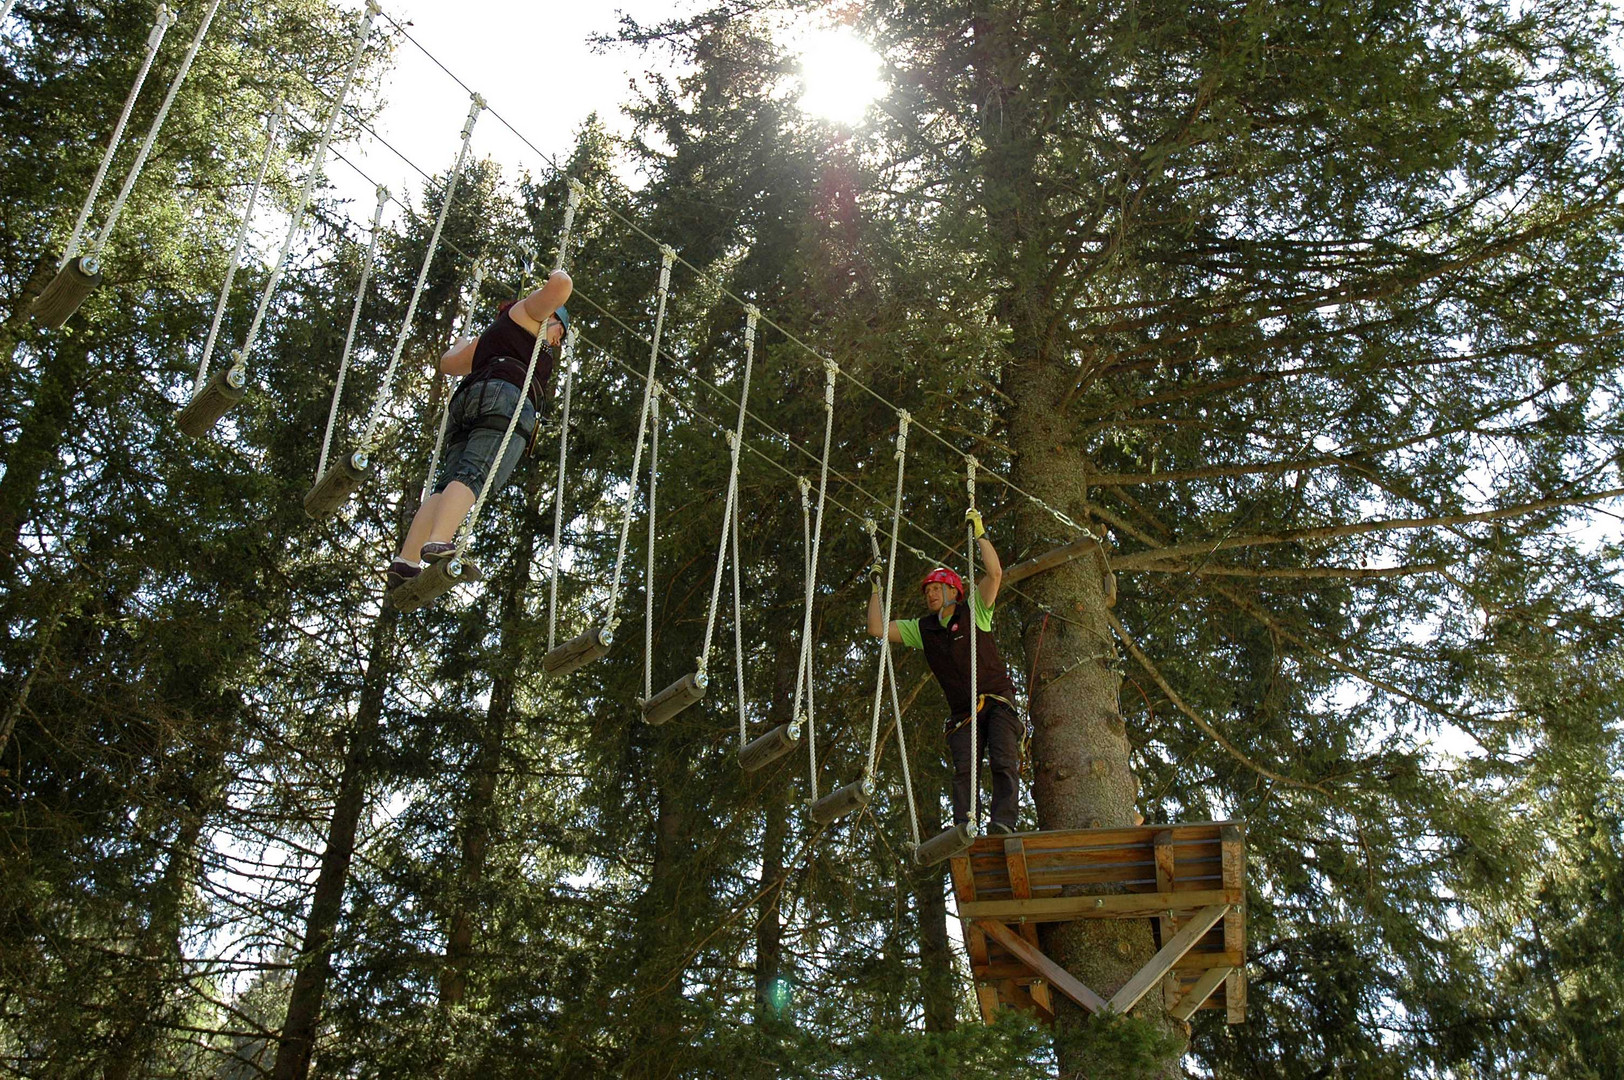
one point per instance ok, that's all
(1301, 572)
(1141, 559)
(1229, 748)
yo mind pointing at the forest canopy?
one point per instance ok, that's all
(1298, 324)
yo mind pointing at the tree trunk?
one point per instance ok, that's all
(936, 982)
(769, 921)
(478, 813)
(777, 804)
(298, 1036)
(1080, 746)
(158, 951)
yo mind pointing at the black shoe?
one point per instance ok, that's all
(399, 573)
(999, 828)
(436, 550)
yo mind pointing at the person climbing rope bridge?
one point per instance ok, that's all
(481, 409)
(943, 634)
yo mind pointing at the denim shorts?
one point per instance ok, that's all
(480, 413)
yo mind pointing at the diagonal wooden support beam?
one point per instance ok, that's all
(1168, 955)
(1057, 976)
(1020, 887)
(1199, 993)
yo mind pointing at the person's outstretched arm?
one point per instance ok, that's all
(459, 359)
(876, 618)
(533, 311)
(987, 587)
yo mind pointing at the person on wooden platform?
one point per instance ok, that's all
(944, 635)
(493, 365)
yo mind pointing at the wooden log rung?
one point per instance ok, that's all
(337, 484)
(437, 579)
(945, 845)
(763, 751)
(578, 651)
(673, 699)
(841, 801)
(223, 390)
(69, 289)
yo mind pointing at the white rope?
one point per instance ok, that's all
(445, 409)
(830, 370)
(902, 748)
(242, 242)
(100, 244)
(668, 256)
(5, 9)
(564, 361)
(485, 489)
(160, 27)
(577, 189)
(971, 595)
(738, 637)
(735, 439)
(901, 455)
(349, 335)
(375, 418)
(803, 680)
(648, 589)
(296, 223)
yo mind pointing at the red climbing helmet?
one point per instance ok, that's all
(946, 577)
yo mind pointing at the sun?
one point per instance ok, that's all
(840, 75)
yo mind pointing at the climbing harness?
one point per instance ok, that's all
(853, 796)
(77, 278)
(334, 486)
(690, 688)
(357, 460)
(227, 387)
(594, 642)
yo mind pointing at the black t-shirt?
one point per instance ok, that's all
(503, 352)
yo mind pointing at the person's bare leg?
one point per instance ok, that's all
(449, 512)
(411, 549)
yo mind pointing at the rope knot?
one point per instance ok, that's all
(870, 526)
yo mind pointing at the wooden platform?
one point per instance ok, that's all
(1189, 879)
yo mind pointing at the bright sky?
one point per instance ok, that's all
(537, 69)
(532, 64)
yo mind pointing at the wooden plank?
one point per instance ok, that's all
(1052, 839)
(1040, 994)
(1015, 860)
(1005, 966)
(1235, 995)
(1067, 908)
(1198, 994)
(1233, 842)
(964, 891)
(1056, 976)
(1168, 955)
(987, 998)
(1060, 556)
(1167, 926)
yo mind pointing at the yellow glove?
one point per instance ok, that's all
(973, 516)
